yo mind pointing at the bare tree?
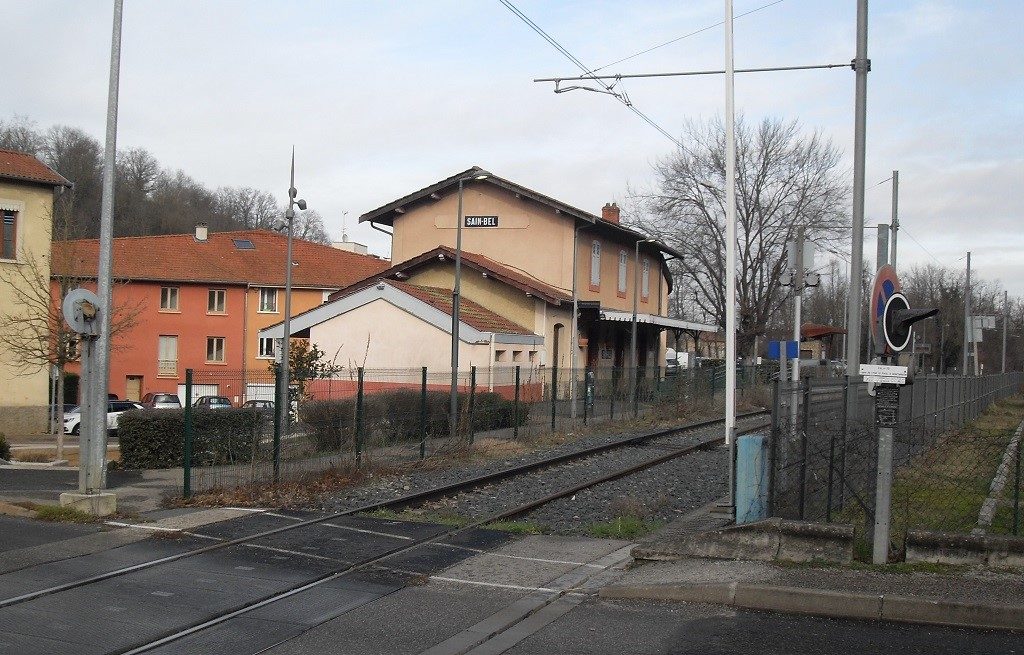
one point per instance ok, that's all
(309, 225)
(32, 327)
(20, 134)
(785, 179)
(249, 208)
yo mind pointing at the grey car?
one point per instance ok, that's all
(213, 402)
(161, 401)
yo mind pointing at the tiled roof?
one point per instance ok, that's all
(470, 312)
(16, 165)
(818, 331)
(501, 272)
(181, 258)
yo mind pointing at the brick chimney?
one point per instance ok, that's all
(610, 212)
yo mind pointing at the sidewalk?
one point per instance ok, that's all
(963, 597)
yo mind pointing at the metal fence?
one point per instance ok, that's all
(385, 417)
(956, 459)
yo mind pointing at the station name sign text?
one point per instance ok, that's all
(480, 221)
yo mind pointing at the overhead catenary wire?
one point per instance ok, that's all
(608, 88)
(685, 36)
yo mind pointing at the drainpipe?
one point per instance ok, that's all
(490, 369)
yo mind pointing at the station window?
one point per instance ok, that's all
(623, 263)
(10, 235)
(645, 280)
(595, 264)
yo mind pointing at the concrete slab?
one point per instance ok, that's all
(98, 504)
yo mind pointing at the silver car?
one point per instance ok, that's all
(161, 401)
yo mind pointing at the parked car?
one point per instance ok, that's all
(161, 401)
(73, 420)
(266, 406)
(212, 402)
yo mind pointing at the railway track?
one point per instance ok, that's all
(410, 544)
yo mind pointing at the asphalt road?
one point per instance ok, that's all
(15, 481)
(23, 533)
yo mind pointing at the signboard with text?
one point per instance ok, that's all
(480, 221)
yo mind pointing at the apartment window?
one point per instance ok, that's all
(167, 356)
(215, 349)
(645, 279)
(595, 264)
(623, 262)
(217, 301)
(268, 301)
(169, 299)
(266, 348)
(10, 235)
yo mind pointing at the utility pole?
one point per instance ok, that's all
(854, 301)
(1006, 319)
(730, 254)
(895, 214)
(95, 477)
(968, 324)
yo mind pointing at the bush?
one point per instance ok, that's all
(394, 416)
(5, 448)
(155, 438)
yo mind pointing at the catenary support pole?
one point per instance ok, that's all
(895, 222)
(854, 302)
(730, 255)
(100, 369)
(456, 292)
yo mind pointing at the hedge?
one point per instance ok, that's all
(394, 416)
(155, 438)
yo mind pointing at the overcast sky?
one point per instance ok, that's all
(382, 98)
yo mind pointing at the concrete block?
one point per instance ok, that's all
(918, 610)
(1004, 551)
(805, 541)
(101, 504)
(946, 548)
(808, 601)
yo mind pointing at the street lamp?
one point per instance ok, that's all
(456, 289)
(283, 381)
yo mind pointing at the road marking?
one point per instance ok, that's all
(516, 557)
(118, 524)
(496, 585)
(373, 532)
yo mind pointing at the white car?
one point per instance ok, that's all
(73, 419)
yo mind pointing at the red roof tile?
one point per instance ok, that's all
(16, 165)
(501, 272)
(180, 258)
(470, 312)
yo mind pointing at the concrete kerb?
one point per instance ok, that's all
(817, 602)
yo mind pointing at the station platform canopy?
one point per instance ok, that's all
(660, 321)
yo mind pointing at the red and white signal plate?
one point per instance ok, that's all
(883, 373)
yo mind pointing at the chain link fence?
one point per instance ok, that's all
(956, 454)
(378, 418)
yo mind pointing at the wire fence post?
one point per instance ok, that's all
(586, 393)
(359, 415)
(806, 401)
(187, 459)
(773, 452)
(845, 423)
(1016, 489)
(611, 396)
(277, 424)
(472, 399)
(515, 422)
(423, 412)
(636, 392)
(554, 393)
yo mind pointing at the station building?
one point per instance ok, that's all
(526, 260)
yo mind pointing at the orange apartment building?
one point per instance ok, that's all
(199, 301)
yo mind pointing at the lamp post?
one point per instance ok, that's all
(289, 224)
(456, 291)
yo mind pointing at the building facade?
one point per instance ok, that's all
(525, 257)
(199, 300)
(27, 194)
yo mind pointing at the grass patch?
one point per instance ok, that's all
(58, 514)
(517, 527)
(623, 527)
